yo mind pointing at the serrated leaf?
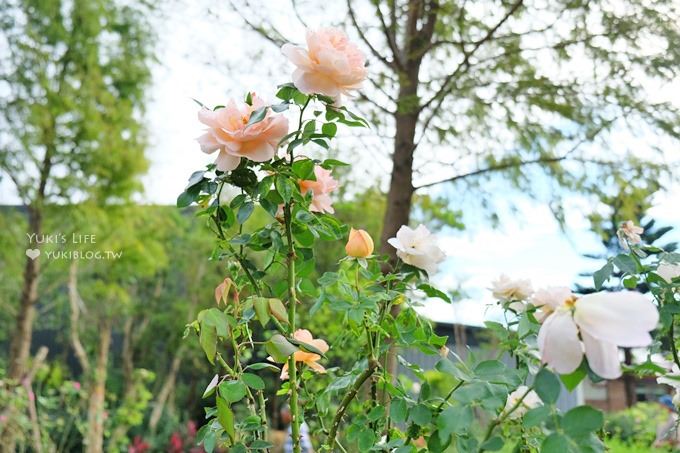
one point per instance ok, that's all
(602, 275)
(253, 381)
(257, 116)
(232, 391)
(278, 310)
(431, 291)
(547, 386)
(261, 306)
(226, 417)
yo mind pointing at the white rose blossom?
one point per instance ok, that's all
(530, 401)
(547, 300)
(596, 324)
(507, 289)
(418, 248)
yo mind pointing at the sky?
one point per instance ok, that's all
(208, 57)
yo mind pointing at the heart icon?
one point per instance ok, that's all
(32, 253)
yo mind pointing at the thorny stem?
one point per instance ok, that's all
(292, 302)
(502, 418)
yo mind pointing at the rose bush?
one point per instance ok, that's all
(551, 336)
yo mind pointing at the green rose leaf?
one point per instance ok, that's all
(279, 348)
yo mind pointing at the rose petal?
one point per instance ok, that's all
(623, 318)
(603, 357)
(559, 344)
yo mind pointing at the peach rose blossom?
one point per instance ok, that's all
(324, 184)
(331, 65)
(359, 244)
(228, 132)
(308, 358)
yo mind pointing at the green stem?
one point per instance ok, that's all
(671, 340)
(292, 302)
(502, 418)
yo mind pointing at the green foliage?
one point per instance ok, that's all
(636, 426)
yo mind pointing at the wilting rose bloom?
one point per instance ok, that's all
(321, 188)
(228, 132)
(308, 358)
(668, 271)
(550, 299)
(530, 401)
(331, 65)
(604, 321)
(629, 233)
(418, 248)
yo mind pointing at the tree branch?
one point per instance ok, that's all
(390, 37)
(390, 64)
(441, 93)
(499, 167)
(278, 41)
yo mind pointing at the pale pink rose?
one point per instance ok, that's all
(324, 184)
(605, 322)
(550, 299)
(331, 65)
(228, 132)
(76, 386)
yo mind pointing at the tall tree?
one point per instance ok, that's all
(524, 89)
(74, 74)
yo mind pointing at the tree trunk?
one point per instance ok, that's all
(94, 440)
(166, 390)
(21, 340)
(629, 379)
(74, 302)
(20, 346)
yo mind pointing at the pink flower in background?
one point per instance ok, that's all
(331, 65)
(604, 322)
(138, 445)
(228, 132)
(324, 184)
(76, 386)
